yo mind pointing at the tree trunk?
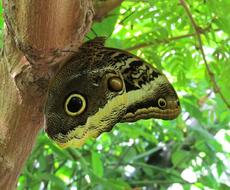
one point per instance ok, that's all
(37, 35)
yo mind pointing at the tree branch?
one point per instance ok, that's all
(103, 7)
(198, 35)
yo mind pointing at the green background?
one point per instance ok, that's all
(191, 152)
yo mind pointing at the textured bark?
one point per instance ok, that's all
(41, 28)
(103, 7)
(42, 32)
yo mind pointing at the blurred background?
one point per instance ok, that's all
(190, 152)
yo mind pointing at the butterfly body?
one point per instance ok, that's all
(103, 86)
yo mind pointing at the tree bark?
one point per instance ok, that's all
(103, 7)
(38, 36)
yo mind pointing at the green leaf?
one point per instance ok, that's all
(56, 182)
(117, 184)
(97, 164)
(180, 158)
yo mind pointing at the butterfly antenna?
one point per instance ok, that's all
(121, 22)
(88, 38)
(93, 31)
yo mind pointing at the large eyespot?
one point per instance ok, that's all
(75, 104)
(162, 103)
(115, 84)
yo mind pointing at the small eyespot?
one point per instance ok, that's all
(115, 84)
(162, 103)
(75, 104)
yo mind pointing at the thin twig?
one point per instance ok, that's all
(198, 35)
(167, 40)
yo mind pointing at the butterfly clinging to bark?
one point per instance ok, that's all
(99, 87)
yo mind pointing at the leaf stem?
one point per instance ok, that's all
(198, 32)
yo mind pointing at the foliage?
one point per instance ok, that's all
(191, 151)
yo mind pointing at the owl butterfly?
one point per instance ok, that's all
(99, 87)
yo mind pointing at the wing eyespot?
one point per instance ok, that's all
(75, 105)
(162, 103)
(115, 84)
